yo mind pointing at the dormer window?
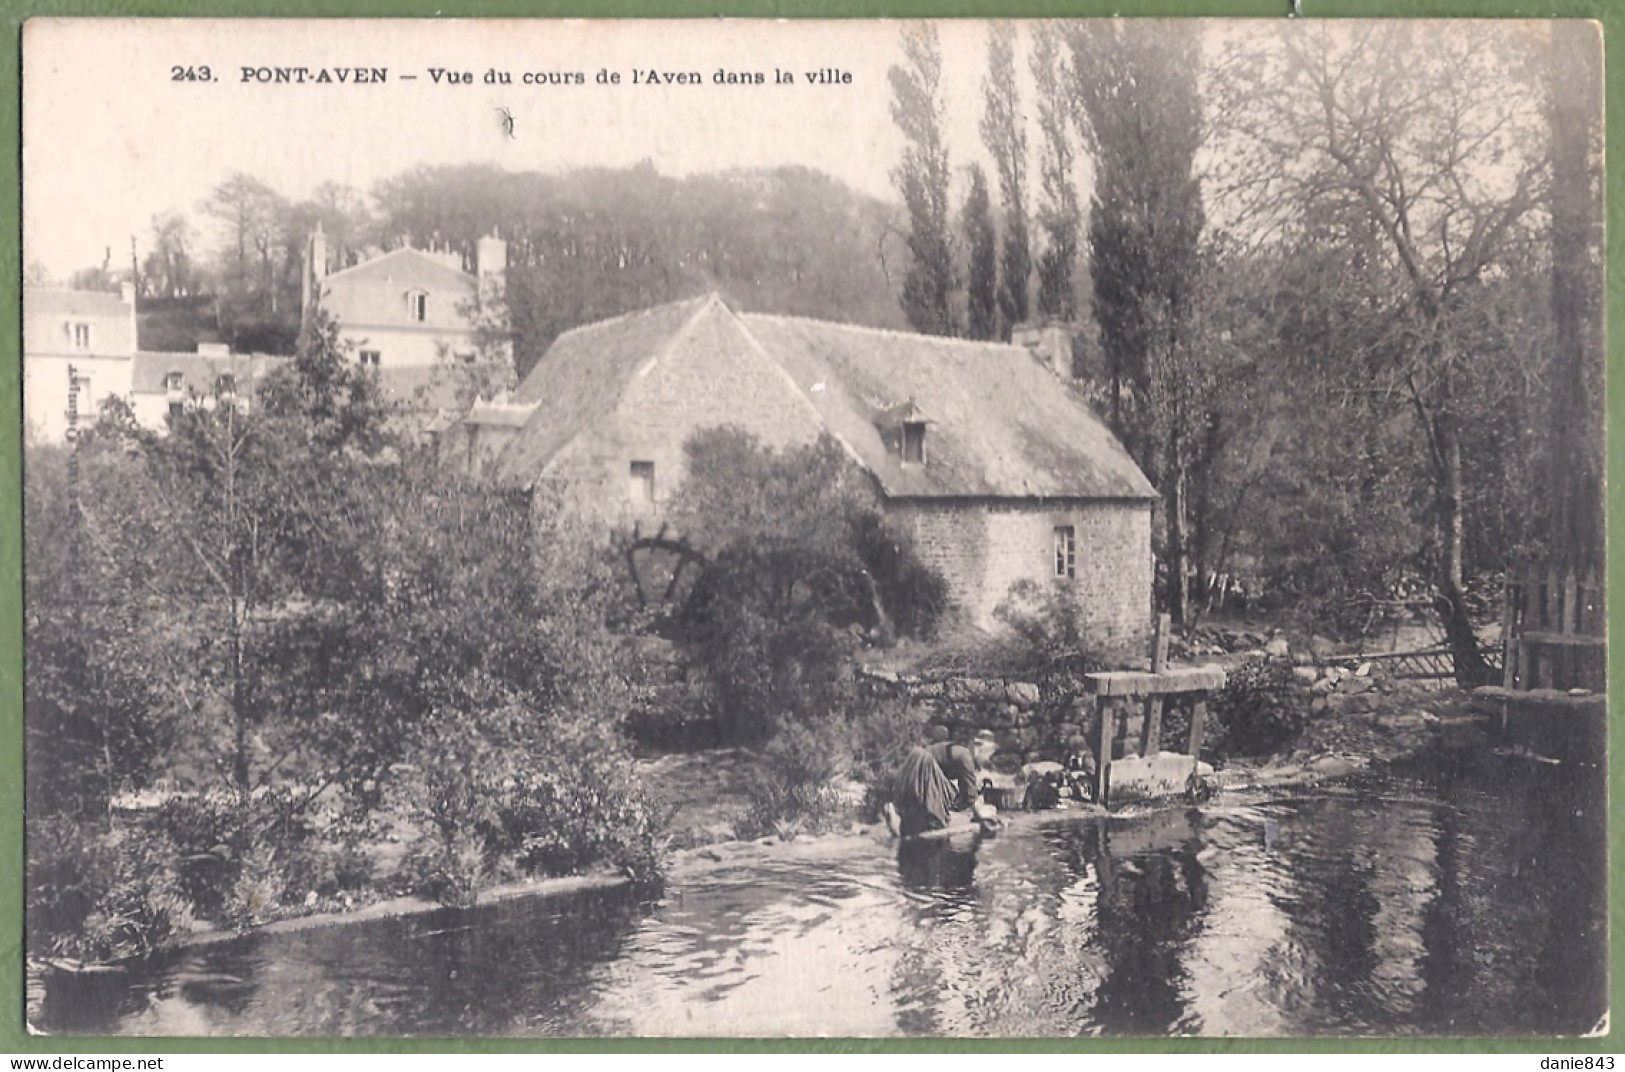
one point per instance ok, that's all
(174, 382)
(914, 442)
(417, 305)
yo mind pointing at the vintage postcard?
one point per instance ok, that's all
(861, 529)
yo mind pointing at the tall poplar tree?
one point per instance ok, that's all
(981, 291)
(922, 179)
(1004, 133)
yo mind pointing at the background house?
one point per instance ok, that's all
(416, 318)
(162, 384)
(92, 331)
(998, 469)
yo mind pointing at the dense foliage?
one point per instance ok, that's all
(264, 634)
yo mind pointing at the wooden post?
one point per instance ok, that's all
(1509, 649)
(1198, 716)
(1108, 716)
(1151, 734)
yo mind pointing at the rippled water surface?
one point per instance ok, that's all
(1388, 908)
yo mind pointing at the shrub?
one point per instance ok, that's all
(797, 787)
(99, 893)
(1260, 710)
(497, 786)
(217, 835)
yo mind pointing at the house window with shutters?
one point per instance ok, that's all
(81, 335)
(1066, 551)
(417, 305)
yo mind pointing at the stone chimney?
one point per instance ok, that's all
(491, 256)
(1050, 341)
(126, 293)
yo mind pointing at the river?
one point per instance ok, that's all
(1389, 907)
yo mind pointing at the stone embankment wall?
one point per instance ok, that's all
(1031, 725)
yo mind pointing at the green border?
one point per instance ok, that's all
(14, 1039)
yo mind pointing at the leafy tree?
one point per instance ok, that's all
(798, 562)
(922, 179)
(1058, 215)
(1004, 133)
(168, 268)
(982, 321)
(1422, 153)
(1573, 88)
(1140, 119)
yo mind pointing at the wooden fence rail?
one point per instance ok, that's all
(1554, 630)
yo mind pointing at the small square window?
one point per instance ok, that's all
(1066, 551)
(176, 408)
(174, 382)
(643, 483)
(226, 384)
(369, 358)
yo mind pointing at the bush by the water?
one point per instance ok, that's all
(498, 788)
(1261, 709)
(97, 892)
(818, 773)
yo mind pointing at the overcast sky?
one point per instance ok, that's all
(110, 139)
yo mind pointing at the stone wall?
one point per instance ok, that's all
(1030, 725)
(983, 548)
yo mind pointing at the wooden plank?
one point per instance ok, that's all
(1159, 645)
(1571, 603)
(1507, 643)
(1151, 734)
(1566, 640)
(1198, 717)
(1552, 616)
(1141, 683)
(1151, 729)
(1108, 714)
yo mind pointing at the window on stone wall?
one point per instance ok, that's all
(174, 381)
(1066, 551)
(643, 483)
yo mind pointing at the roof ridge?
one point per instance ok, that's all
(894, 332)
(393, 253)
(629, 315)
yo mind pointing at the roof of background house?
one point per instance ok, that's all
(500, 414)
(149, 369)
(1000, 424)
(410, 268)
(59, 301)
(421, 387)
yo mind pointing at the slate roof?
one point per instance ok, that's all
(150, 368)
(580, 379)
(55, 301)
(1000, 425)
(409, 268)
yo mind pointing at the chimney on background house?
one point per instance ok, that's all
(126, 293)
(491, 256)
(1050, 341)
(310, 290)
